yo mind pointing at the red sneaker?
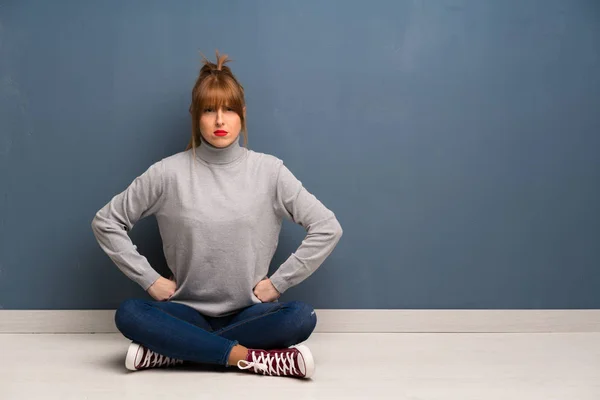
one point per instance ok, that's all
(139, 357)
(296, 361)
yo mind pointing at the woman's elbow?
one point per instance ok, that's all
(95, 222)
(337, 229)
(99, 222)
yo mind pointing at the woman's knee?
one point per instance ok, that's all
(127, 313)
(305, 319)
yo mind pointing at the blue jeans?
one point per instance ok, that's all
(179, 331)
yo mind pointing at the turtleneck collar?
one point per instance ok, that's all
(217, 155)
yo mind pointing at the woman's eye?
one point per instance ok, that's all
(208, 110)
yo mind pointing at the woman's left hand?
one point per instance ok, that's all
(265, 291)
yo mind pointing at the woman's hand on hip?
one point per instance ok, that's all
(265, 291)
(162, 289)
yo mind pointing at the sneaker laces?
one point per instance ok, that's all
(271, 364)
(152, 359)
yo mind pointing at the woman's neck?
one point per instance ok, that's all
(219, 155)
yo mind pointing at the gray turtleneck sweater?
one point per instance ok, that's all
(219, 218)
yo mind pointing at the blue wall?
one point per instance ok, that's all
(458, 142)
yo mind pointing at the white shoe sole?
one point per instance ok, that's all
(309, 362)
(132, 354)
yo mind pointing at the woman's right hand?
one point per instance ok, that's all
(162, 289)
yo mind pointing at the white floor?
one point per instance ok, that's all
(415, 366)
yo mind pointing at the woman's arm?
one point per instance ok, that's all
(324, 231)
(111, 224)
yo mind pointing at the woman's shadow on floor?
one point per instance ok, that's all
(116, 362)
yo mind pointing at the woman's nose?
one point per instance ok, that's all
(219, 117)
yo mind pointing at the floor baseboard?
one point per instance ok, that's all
(357, 321)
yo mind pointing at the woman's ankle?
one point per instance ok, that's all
(238, 352)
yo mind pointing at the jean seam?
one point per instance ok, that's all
(175, 316)
(222, 330)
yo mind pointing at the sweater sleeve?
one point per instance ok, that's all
(295, 203)
(111, 224)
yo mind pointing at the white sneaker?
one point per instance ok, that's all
(296, 361)
(140, 357)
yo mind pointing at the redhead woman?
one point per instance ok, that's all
(219, 208)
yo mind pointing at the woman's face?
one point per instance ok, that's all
(213, 122)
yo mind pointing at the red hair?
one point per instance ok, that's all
(216, 87)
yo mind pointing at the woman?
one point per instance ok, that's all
(219, 208)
